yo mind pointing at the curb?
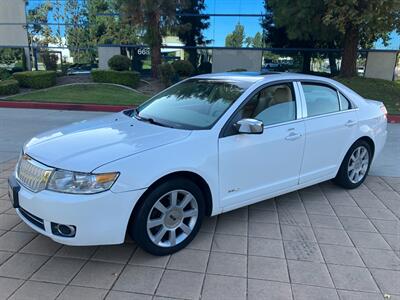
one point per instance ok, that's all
(393, 119)
(63, 106)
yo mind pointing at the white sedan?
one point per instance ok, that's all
(207, 145)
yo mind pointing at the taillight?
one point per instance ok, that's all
(384, 110)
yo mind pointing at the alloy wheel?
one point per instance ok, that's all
(358, 164)
(172, 218)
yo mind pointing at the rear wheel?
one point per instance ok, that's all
(355, 166)
(169, 217)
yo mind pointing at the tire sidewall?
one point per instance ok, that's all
(138, 225)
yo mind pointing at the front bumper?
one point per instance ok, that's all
(100, 219)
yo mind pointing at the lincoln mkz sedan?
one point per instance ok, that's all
(207, 145)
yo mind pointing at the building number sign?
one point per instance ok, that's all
(143, 51)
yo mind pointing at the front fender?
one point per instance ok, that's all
(197, 155)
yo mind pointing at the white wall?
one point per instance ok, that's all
(381, 65)
(105, 53)
(13, 11)
(229, 59)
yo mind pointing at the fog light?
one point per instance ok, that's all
(63, 230)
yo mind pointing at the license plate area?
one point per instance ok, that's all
(13, 189)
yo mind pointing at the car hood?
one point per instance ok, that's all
(86, 145)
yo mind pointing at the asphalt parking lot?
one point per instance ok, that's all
(322, 242)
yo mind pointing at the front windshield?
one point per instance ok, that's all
(192, 104)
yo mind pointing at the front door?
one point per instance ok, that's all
(254, 166)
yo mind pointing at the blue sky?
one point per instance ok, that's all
(221, 26)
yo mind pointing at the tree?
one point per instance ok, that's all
(361, 22)
(299, 24)
(58, 16)
(92, 23)
(155, 16)
(38, 33)
(236, 38)
(256, 41)
(77, 35)
(190, 28)
(119, 30)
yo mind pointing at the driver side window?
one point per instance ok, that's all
(272, 105)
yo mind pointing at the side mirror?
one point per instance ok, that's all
(249, 126)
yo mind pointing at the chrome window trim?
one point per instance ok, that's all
(301, 99)
(347, 98)
(340, 102)
(331, 114)
(329, 85)
(283, 124)
(298, 102)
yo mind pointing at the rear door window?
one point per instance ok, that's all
(320, 99)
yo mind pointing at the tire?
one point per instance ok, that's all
(158, 220)
(353, 172)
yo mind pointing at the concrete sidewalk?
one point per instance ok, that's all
(322, 242)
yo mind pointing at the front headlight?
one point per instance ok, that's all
(80, 183)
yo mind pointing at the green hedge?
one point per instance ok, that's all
(128, 78)
(119, 63)
(167, 74)
(183, 68)
(9, 87)
(36, 79)
(4, 74)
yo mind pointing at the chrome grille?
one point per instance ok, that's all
(32, 174)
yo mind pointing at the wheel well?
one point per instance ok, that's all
(370, 143)
(185, 174)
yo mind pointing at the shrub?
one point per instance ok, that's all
(205, 68)
(64, 68)
(119, 63)
(9, 87)
(4, 74)
(50, 61)
(128, 78)
(36, 79)
(183, 68)
(17, 69)
(167, 74)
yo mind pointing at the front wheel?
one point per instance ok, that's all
(355, 166)
(169, 217)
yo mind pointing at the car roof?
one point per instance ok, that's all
(252, 77)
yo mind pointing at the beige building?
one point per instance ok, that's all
(13, 31)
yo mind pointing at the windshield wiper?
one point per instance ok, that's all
(149, 120)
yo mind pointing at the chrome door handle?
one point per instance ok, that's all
(350, 123)
(293, 136)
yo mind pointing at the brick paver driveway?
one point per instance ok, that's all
(322, 242)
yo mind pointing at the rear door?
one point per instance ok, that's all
(330, 124)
